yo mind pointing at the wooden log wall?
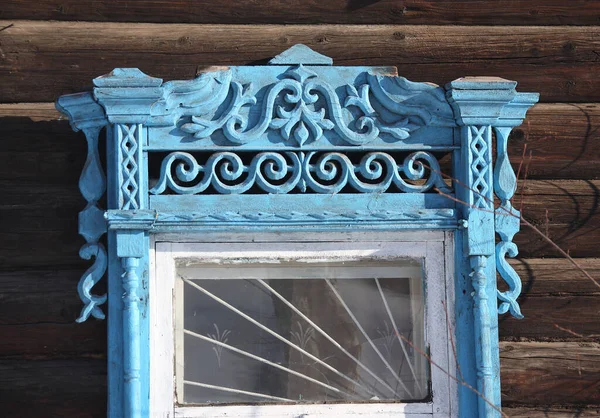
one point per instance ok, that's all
(51, 366)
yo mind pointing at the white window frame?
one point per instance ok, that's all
(435, 247)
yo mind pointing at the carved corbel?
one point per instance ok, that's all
(507, 222)
(87, 115)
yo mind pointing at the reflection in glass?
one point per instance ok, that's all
(300, 332)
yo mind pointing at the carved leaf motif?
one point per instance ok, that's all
(301, 134)
(315, 107)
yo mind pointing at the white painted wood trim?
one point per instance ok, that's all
(307, 236)
(162, 273)
(450, 271)
(438, 277)
(435, 295)
(308, 411)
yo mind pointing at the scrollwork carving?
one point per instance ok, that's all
(507, 220)
(509, 275)
(280, 173)
(89, 279)
(301, 106)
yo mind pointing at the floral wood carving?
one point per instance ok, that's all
(302, 105)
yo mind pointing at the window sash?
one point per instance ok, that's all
(438, 273)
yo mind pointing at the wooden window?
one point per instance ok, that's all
(271, 162)
(324, 328)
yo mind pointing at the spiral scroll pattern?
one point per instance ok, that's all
(284, 172)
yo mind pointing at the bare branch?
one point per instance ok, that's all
(590, 336)
(457, 380)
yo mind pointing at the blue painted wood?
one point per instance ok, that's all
(482, 105)
(300, 54)
(130, 249)
(85, 114)
(326, 173)
(298, 144)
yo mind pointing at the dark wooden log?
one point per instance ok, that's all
(561, 141)
(428, 12)
(545, 374)
(53, 388)
(53, 339)
(575, 315)
(38, 309)
(564, 210)
(557, 276)
(42, 60)
(552, 412)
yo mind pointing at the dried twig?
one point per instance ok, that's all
(561, 251)
(576, 334)
(508, 213)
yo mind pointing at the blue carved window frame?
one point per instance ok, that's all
(253, 148)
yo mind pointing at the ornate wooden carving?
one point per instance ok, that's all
(293, 145)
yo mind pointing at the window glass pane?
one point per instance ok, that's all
(300, 332)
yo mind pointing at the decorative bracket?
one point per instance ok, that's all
(87, 115)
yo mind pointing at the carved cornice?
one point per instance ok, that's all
(300, 104)
(489, 101)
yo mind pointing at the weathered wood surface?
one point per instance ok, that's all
(53, 388)
(559, 302)
(552, 412)
(543, 316)
(562, 139)
(536, 373)
(37, 315)
(557, 276)
(42, 60)
(566, 211)
(532, 373)
(429, 12)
